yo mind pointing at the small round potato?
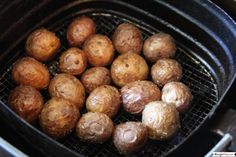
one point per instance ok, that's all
(161, 120)
(178, 94)
(127, 68)
(136, 95)
(130, 137)
(73, 61)
(99, 50)
(127, 38)
(58, 117)
(79, 30)
(42, 44)
(26, 101)
(95, 77)
(158, 46)
(94, 127)
(68, 87)
(104, 99)
(28, 71)
(166, 70)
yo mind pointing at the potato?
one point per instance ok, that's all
(127, 68)
(28, 71)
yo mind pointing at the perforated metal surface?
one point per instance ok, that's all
(196, 76)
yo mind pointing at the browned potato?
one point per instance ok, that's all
(26, 101)
(67, 87)
(130, 137)
(127, 68)
(95, 77)
(99, 50)
(58, 117)
(28, 71)
(73, 61)
(104, 99)
(161, 120)
(178, 94)
(136, 95)
(42, 44)
(94, 127)
(127, 38)
(80, 29)
(166, 70)
(158, 46)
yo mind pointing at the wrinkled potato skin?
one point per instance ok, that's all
(161, 120)
(42, 44)
(127, 68)
(127, 38)
(73, 61)
(166, 70)
(130, 137)
(94, 127)
(95, 77)
(136, 95)
(178, 94)
(99, 50)
(159, 46)
(68, 87)
(79, 30)
(28, 71)
(26, 101)
(58, 117)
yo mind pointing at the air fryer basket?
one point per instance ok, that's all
(205, 80)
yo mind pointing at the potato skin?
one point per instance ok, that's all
(178, 94)
(130, 137)
(68, 87)
(127, 68)
(42, 44)
(127, 38)
(161, 120)
(28, 71)
(95, 77)
(99, 50)
(73, 61)
(104, 99)
(26, 101)
(166, 70)
(79, 30)
(58, 117)
(158, 46)
(94, 127)
(136, 95)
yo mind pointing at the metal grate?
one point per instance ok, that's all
(196, 76)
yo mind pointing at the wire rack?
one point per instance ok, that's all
(196, 76)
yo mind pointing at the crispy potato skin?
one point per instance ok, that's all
(127, 38)
(58, 117)
(26, 101)
(127, 68)
(166, 70)
(159, 46)
(178, 94)
(136, 95)
(95, 77)
(68, 87)
(99, 50)
(79, 30)
(28, 71)
(73, 61)
(42, 44)
(104, 99)
(130, 137)
(161, 120)
(94, 127)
